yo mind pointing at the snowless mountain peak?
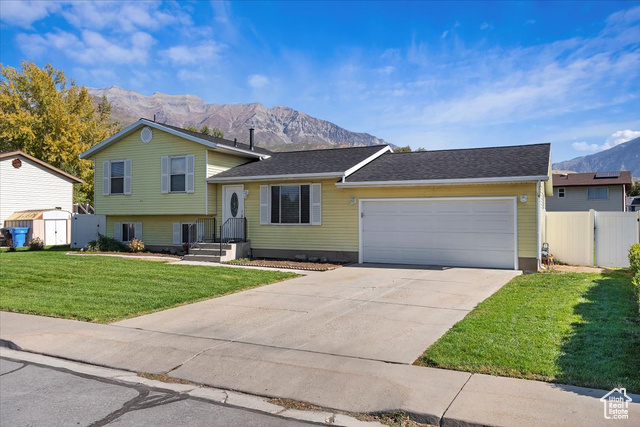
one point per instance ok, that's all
(278, 128)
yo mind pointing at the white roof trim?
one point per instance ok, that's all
(142, 122)
(367, 160)
(324, 175)
(432, 182)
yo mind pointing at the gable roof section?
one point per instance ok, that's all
(206, 140)
(589, 179)
(474, 165)
(328, 163)
(63, 174)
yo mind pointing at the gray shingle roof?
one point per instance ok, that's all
(589, 179)
(494, 162)
(304, 162)
(220, 141)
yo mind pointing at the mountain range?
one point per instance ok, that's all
(278, 128)
(285, 129)
(625, 156)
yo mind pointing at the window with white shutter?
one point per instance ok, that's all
(116, 177)
(291, 204)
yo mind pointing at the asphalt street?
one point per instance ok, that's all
(38, 395)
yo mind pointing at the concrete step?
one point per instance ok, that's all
(214, 246)
(214, 252)
(206, 258)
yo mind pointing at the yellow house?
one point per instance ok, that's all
(473, 207)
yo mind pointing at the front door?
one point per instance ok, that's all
(232, 208)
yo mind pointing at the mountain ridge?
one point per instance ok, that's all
(278, 128)
(625, 156)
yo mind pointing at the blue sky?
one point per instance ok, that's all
(425, 74)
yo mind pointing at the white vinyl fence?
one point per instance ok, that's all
(85, 228)
(592, 238)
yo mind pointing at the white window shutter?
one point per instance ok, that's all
(106, 175)
(264, 204)
(138, 230)
(189, 185)
(316, 204)
(117, 231)
(127, 176)
(164, 171)
(177, 238)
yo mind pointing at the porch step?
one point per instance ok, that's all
(214, 246)
(197, 257)
(215, 252)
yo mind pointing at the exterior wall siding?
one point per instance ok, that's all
(340, 223)
(31, 187)
(157, 230)
(575, 200)
(146, 197)
(218, 162)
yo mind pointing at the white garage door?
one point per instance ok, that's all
(449, 232)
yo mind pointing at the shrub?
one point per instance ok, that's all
(634, 258)
(136, 245)
(36, 244)
(106, 244)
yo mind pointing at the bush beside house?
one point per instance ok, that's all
(634, 261)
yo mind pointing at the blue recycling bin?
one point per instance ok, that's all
(19, 236)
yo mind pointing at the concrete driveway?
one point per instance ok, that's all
(381, 313)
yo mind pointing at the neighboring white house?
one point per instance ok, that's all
(27, 183)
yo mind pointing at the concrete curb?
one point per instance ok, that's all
(224, 397)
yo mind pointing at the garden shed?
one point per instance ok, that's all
(53, 226)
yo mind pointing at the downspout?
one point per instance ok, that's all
(538, 223)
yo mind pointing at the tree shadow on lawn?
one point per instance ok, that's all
(604, 347)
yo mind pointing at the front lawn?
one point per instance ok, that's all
(579, 328)
(107, 289)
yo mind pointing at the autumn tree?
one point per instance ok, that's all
(407, 149)
(634, 190)
(217, 133)
(44, 115)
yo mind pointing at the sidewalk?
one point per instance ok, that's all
(348, 384)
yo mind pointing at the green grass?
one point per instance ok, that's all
(580, 329)
(105, 289)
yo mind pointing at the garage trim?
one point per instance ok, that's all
(435, 199)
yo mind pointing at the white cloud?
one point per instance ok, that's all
(584, 146)
(486, 26)
(190, 75)
(616, 138)
(193, 54)
(619, 137)
(91, 47)
(386, 70)
(124, 16)
(257, 81)
(444, 34)
(25, 13)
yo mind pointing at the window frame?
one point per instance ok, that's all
(111, 177)
(598, 198)
(562, 192)
(171, 175)
(295, 224)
